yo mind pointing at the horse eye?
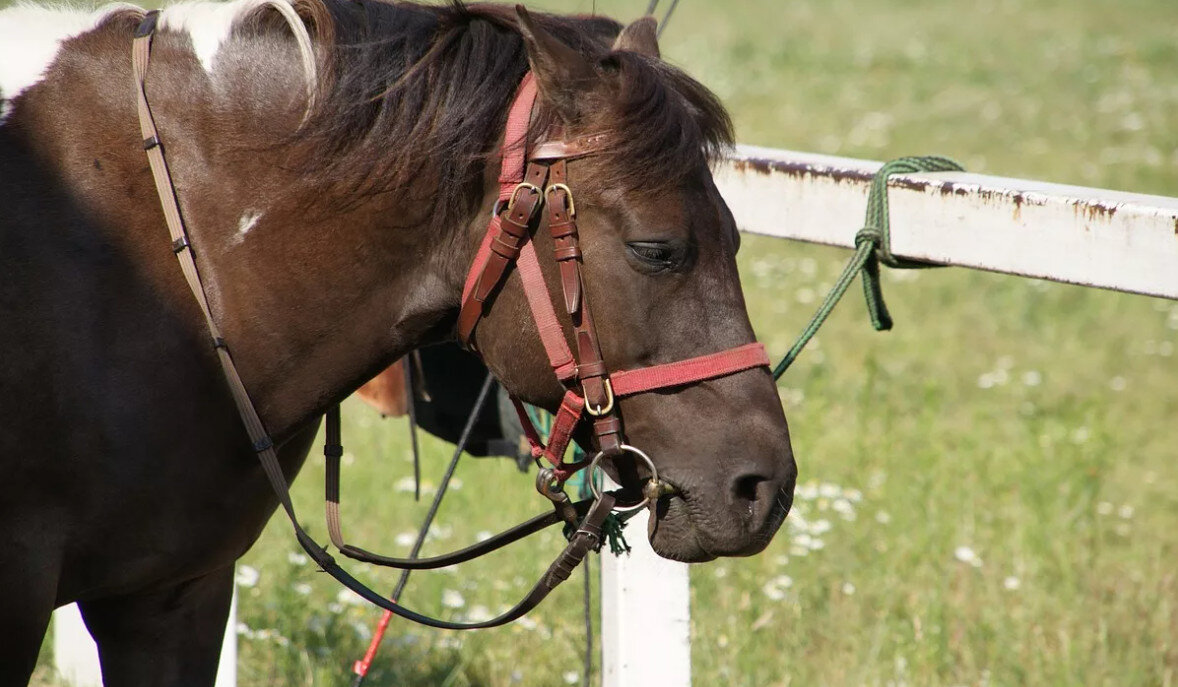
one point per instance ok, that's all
(654, 253)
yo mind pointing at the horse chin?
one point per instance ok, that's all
(673, 534)
(677, 533)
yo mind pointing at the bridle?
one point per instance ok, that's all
(590, 388)
(522, 193)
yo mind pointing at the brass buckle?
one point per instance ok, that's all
(521, 186)
(609, 403)
(568, 194)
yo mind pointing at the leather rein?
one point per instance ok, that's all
(522, 193)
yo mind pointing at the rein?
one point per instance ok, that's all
(589, 386)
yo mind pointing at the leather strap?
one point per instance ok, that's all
(586, 538)
(690, 371)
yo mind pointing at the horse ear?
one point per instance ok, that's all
(561, 72)
(640, 37)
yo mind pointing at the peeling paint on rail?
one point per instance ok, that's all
(1107, 239)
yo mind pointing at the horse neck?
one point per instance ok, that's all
(313, 294)
(316, 291)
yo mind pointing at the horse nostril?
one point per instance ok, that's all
(745, 488)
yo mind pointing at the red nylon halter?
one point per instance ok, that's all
(501, 248)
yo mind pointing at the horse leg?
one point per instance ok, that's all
(169, 636)
(29, 592)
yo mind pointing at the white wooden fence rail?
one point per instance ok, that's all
(1107, 239)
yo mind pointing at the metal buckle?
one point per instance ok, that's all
(568, 193)
(549, 487)
(523, 185)
(609, 403)
(647, 492)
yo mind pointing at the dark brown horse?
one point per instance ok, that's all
(334, 205)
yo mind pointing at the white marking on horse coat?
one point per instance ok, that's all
(248, 221)
(30, 38)
(210, 24)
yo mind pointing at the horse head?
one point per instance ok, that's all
(658, 269)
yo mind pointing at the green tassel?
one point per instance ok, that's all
(612, 529)
(612, 533)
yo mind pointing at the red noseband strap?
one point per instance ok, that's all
(507, 241)
(679, 373)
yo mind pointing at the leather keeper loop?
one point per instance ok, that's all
(147, 26)
(513, 228)
(591, 369)
(567, 253)
(562, 229)
(607, 425)
(510, 251)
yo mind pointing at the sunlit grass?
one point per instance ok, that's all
(988, 493)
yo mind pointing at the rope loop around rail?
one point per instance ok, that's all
(873, 245)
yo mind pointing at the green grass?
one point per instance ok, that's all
(989, 492)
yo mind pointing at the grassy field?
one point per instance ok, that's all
(988, 494)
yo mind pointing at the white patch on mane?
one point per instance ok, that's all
(209, 24)
(30, 37)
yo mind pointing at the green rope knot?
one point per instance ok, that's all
(873, 245)
(869, 235)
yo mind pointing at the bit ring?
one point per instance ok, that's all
(654, 477)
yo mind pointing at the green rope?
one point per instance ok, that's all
(873, 245)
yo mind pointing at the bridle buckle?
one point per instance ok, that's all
(523, 186)
(609, 402)
(568, 194)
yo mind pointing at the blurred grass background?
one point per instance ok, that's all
(988, 494)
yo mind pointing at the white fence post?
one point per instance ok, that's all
(75, 654)
(645, 616)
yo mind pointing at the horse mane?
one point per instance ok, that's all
(410, 93)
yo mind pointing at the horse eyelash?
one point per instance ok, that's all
(653, 253)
